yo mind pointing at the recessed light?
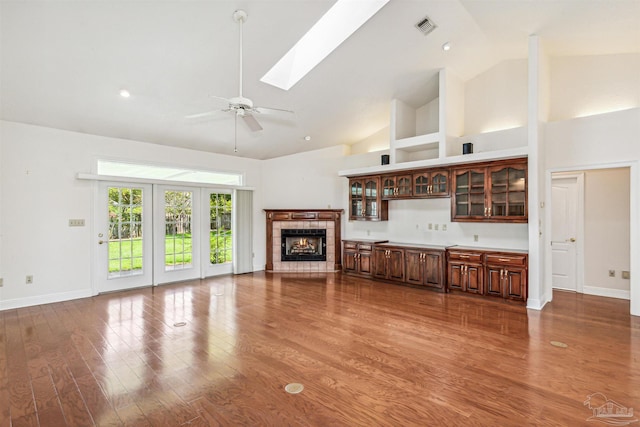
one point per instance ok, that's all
(446, 47)
(307, 138)
(124, 93)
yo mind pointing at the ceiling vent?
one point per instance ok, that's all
(426, 25)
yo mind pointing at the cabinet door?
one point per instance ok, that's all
(494, 281)
(516, 284)
(364, 263)
(473, 278)
(508, 192)
(455, 276)
(421, 184)
(349, 261)
(414, 268)
(388, 186)
(468, 201)
(379, 269)
(356, 196)
(433, 264)
(404, 186)
(371, 197)
(395, 265)
(439, 183)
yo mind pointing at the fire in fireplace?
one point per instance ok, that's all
(304, 245)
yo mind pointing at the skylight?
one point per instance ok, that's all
(165, 173)
(342, 20)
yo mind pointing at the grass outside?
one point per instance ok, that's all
(126, 255)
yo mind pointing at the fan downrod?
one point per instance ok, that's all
(240, 16)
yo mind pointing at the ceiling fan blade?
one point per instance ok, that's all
(227, 100)
(207, 114)
(251, 122)
(265, 110)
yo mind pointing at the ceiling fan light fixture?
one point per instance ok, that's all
(341, 21)
(307, 138)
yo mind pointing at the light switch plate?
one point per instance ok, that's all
(76, 223)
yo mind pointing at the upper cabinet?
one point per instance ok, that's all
(431, 183)
(365, 201)
(491, 193)
(396, 186)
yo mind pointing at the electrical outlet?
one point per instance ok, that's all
(475, 237)
(436, 227)
(29, 280)
(444, 227)
(625, 275)
(430, 226)
(368, 232)
(612, 273)
(76, 223)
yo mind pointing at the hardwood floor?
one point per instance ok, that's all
(367, 353)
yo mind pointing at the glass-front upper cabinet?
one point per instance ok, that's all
(491, 193)
(365, 201)
(396, 186)
(431, 184)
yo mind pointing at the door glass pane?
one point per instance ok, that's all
(177, 213)
(421, 183)
(220, 228)
(477, 182)
(125, 231)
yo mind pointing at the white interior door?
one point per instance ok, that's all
(217, 242)
(124, 230)
(177, 233)
(564, 232)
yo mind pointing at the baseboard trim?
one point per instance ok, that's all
(606, 292)
(535, 304)
(44, 299)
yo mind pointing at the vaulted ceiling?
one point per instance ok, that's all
(64, 62)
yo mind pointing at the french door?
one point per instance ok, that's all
(153, 234)
(123, 236)
(176, 234)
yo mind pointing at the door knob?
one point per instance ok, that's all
(101, 242)
(572, 239)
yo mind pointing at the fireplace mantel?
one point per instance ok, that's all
(307, 218)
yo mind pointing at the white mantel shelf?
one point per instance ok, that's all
(511, 153)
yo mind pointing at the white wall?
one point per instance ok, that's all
(41, 193)
(588, 85)
(497, 98)
(606, 228)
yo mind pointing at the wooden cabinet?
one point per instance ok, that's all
(425, 268)
(491, 273)
(396, 186)
(357, 258)
(465, 271)
(388, 263)
(365, 202)
(431, 183)
(506, 275)
(495, 192)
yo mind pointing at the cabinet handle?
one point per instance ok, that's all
(485, 211)
(504, 259)
(464, 256)
(489, 211)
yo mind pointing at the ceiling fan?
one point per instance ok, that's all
(241, 106)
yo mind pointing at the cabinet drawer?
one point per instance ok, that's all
(507, 259)
(280, 216)
(326, 215)
(365, 247)
(350, 245)
(303, 215)
(465, 256)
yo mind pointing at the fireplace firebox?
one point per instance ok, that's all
(304, 244)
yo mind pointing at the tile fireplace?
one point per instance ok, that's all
(303, 240)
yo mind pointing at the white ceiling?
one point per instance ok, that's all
(63, 63)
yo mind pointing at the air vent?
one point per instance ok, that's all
(426, 25)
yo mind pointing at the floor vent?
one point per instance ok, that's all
(426, 25)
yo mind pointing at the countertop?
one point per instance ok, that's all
(381, 242)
